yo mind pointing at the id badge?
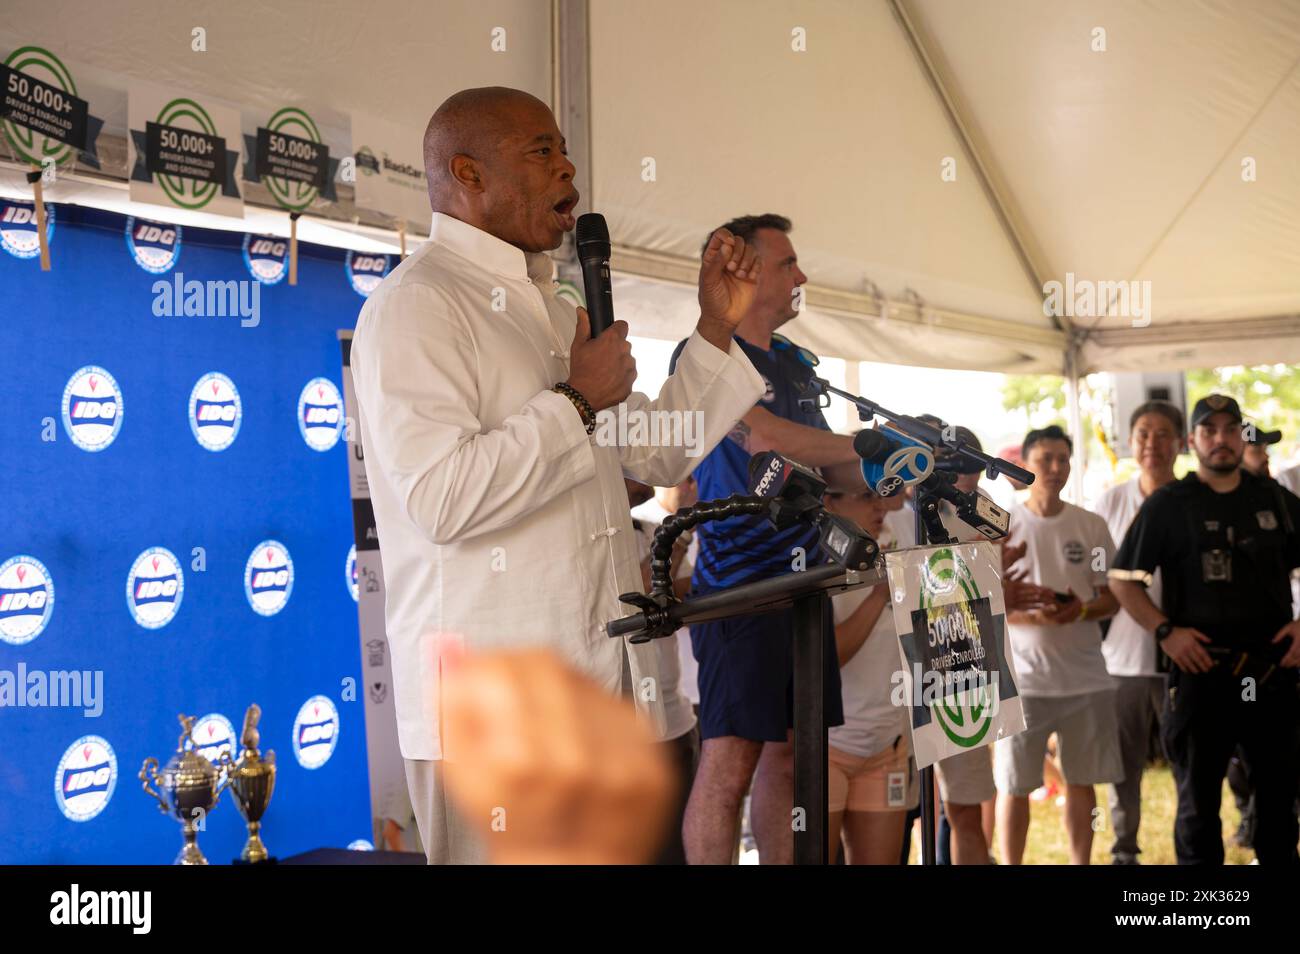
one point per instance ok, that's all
(896, 789)
(1216, 566)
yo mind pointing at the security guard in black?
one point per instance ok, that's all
(1225, 559)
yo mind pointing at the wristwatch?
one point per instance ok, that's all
(1163, 631)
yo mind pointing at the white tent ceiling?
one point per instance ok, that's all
(1116, 165)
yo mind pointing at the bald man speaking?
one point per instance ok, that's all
(500, 505)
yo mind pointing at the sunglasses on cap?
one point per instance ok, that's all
(806, 357)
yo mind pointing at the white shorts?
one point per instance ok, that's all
(966, 779)
(1087, 742)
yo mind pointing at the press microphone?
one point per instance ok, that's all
(592, 238)
(795, 494)
(891, 460)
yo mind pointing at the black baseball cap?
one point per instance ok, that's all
(1264, 438)
(1215, 404)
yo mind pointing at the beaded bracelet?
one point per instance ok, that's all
(580, 403)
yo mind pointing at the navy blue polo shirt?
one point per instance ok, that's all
(745, 549)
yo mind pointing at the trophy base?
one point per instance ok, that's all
(255, 864)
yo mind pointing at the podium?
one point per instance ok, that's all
(807, 592)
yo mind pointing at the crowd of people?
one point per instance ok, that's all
(1101, 645)
(1098, 672)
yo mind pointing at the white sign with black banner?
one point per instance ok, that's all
(390, 169)
(290, 157)
(184, 151)
(44, 119)
(951, 620)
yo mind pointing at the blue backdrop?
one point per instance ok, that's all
(83, 521)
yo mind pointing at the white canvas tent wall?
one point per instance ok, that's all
(1114, 165)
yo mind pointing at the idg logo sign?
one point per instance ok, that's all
(154, 588)
(26, 599)
(215, 411)
(366, 271)
(268, 577)
(315, 732)
(18, 228)
(320, 414)
(214, 734)
(155, 246)
(267, 257)
(92, 408)
(350, 571)
(85, 778)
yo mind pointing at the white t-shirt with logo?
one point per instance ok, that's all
(1129, 649)
(1069, 551)
(871, 722)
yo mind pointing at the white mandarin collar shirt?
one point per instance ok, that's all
(501, 523)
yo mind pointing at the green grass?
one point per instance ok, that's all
(1047, 843)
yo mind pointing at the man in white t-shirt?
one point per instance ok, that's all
(1157, 433)
(1056, 651)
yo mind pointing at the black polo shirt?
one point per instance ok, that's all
(1192, 534)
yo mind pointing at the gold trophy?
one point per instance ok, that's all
(190, 788)
(252, 780)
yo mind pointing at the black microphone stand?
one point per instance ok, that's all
(808, 592)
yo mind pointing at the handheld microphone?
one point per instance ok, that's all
(592, 239)
(891, 460)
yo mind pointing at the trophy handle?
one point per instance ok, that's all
(224, 764)
(151, 766)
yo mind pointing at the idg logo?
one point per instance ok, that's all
(85, 778)
(268, 577)
(214, 734)
(155, 246)
(154, 588)
(215, 411)
(92, 408)
(350, 571)
(366, 271)
(315, 732)
(267, 257)
(26, 599)
(18, 228)
(320, 414)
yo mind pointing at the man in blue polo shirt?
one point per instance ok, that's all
(746, 664)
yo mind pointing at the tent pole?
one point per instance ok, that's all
(1073, 389)
(571, 103)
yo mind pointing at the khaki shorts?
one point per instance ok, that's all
(884, 782)
(967, 779)
(1087, 742)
